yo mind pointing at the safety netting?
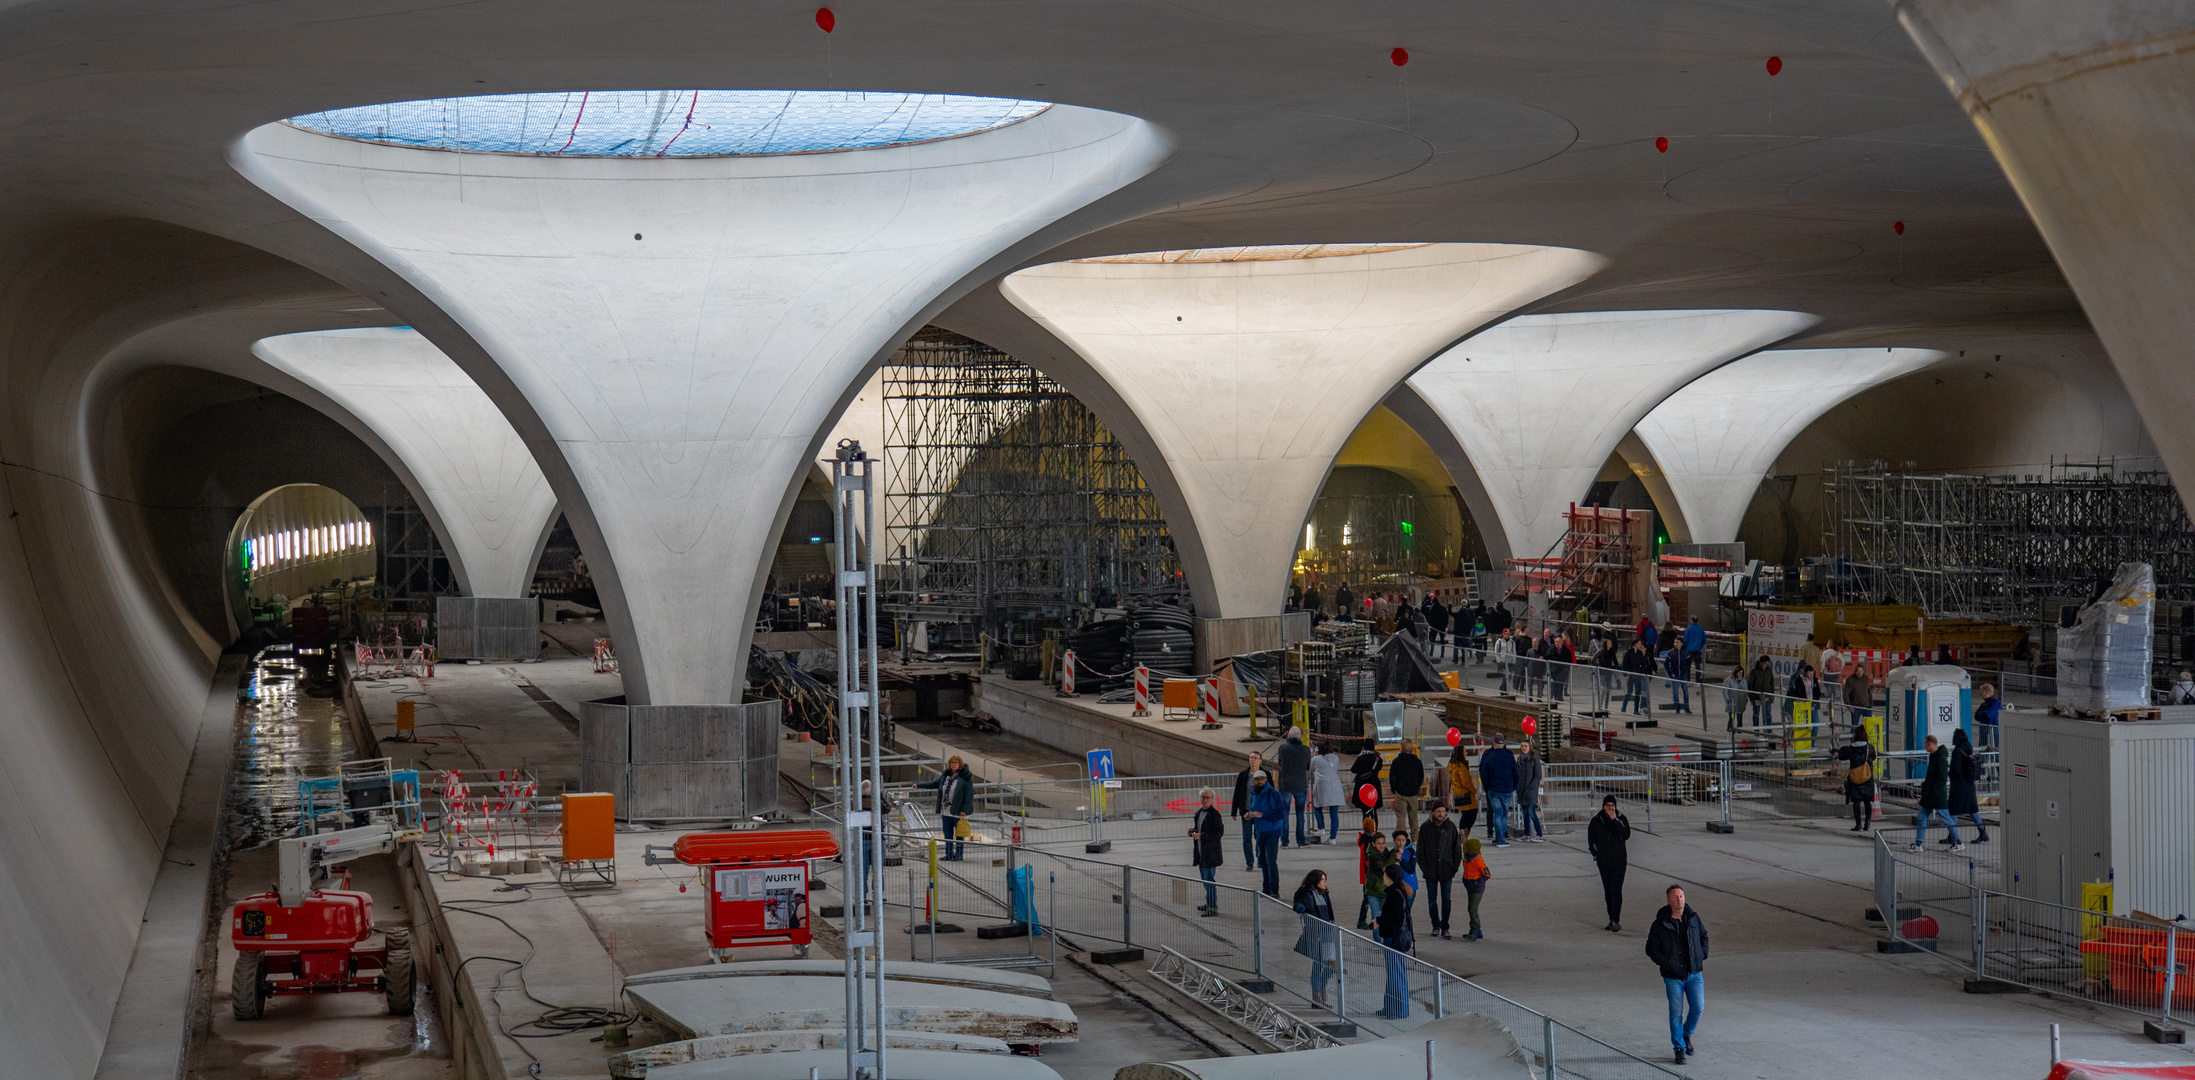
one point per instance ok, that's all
(670, 123)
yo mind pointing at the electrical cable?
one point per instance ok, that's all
(555, 1019)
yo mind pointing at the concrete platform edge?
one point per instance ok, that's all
(155, 1021)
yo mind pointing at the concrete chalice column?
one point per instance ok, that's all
(1538, 403)
(1716, 438)
(1249, 367)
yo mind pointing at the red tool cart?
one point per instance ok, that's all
(754, 885)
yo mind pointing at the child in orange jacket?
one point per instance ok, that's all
(1475, 874)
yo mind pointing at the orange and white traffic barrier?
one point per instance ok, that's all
(1143, 691)
(1211, 701)
(1067, 676)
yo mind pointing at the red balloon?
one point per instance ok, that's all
(1455, 736)
(825, 19)
(1368, 795)
(1531, 726)
(1400, 57)
(1898, 227)
(1775, 64)
(1661, 145)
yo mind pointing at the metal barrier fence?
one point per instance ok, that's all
(1942, 902)
(1326, 974)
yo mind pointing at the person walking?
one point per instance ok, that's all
(1638, 666)
(1240, 805)
(1313, 602)
(1504, 654)
(1295, 781)
(1498, 774)
(1320, 941)
(1406, 860)
(1936, 795)
(1464, 789)
(1406, 782)
(1858, 691)
(1966, 771)
(1536, 653)
(1393, 925)
(1268, 816)
(1437, 617)
(956, 801)
(1859, 778)
(1734, 700)
(1607, 663)
(1562, 659)
(1326, 793)
(1345, 603)
(1205, 851)
(1695, 644)
(1761, 684)
(1987, 706)
(1607, 839)
(1672, 666)
(1677, 945)
(1363, 772)
(1440, 857)
(1475, 874)
(1805, 687)
(1531, 771)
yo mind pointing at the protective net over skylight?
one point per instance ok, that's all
(670, 123)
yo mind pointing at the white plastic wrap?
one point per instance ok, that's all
(2104, 662)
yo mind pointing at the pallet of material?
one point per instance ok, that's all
(1648, 747)
(1594, 738)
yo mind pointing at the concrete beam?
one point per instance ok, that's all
(1250, 367)
(672, 336)
(494, 505)
(1714, 439)
(1539, 402)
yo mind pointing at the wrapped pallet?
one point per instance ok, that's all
(2103, 663)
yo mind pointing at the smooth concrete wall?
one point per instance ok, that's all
(1030, 710)
(1713, 440)
(673, 336)
(490, 499)
(1251, 371)
(1538, 403)
(2086, 107)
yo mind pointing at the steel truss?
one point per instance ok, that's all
(1009, 506)
(1276, 1027)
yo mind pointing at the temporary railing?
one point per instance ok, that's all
(482, 821)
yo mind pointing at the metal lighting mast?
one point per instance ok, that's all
(860, 758)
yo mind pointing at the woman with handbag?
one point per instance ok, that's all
(1859, 778)
(1320, 941)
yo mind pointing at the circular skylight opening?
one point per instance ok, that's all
(1267, 253)
(670, 123)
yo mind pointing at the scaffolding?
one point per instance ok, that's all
(1009, 507)
(1604, 560)
(2009, 548)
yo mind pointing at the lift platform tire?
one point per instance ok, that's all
(397, 979)
(247, 990)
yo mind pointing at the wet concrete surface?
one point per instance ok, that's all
(289, 728)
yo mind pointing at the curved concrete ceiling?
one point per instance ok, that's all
(1540, 402)
(1714, 439)
(1251, 368)
(488, 493)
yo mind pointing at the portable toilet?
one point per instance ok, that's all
(1924, 700)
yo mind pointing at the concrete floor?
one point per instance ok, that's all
(1794, 978)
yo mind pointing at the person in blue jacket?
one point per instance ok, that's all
(1268, 815)
(1498, 777)
(1695, 643)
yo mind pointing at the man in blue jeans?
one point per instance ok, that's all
(1498, 775)
(1268, 815)
(1678, 946)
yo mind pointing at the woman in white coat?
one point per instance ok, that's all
(1327, 794)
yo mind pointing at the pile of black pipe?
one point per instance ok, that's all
(1161, 639)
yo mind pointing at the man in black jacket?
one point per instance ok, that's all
(1205, 831)
(1295, 781)
(1678, 946)
(1605, 839)
(1406, 780)
(1240, 805)
(1440, 858)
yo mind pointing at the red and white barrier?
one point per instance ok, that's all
(1067, 676)
(1211, 701)
(605, 656)
(1143, 691)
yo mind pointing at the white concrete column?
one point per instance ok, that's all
(1715, 438)
(478, 481)
(2087, 107)
(1249, 367)
(1539, 402)
(673, 335)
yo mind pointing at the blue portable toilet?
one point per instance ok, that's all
(1927, 699)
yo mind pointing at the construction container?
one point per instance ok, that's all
(2092, 800)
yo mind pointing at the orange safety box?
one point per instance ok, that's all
(590, 826)
(1181, 694)
(2136, 957)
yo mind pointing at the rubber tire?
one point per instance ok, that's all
(247, 987)
(398, 982)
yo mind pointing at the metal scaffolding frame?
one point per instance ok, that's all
(1009, 506)
(2001, 547)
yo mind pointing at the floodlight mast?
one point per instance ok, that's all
(860, 758)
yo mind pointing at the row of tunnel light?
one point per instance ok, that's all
(293, 546)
